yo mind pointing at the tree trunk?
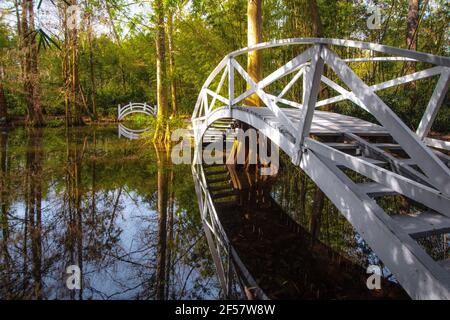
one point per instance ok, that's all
(161, 74)
(162, 223)
(412, 26)
(70, 60)
(30, 65)
(316, 22)
(3, 104)
(34, 160)
(254, 36)
(38, 119)
(91, 70)
(173, 88)
(316, 213)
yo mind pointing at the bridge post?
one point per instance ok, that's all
(230, 83)
(311, 85)
(434, 105)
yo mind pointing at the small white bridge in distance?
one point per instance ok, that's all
(135, 107)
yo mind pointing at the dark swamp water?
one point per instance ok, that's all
(130, 221)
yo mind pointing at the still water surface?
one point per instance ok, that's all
(130, 220)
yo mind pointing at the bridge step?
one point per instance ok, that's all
(375, 189)
(342, 146)
(388, 146)
(219, 188)
(217, 180)
(221, 125)
(225, 194)
(423, 224)
(373, 161)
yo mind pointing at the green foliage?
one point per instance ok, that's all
(204, 32)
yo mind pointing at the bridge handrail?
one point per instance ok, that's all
(133, 107)
(402, 55)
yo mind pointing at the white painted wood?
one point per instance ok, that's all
(375, 189)
(437, 172)
(435, 143)
(222, 80)
(131, 134)
(267, 101)
(230, 83)
(288, 68)
(415, 55)
(312, 76)
(216, 96)
(287, 127)
(435, 104)
(292, 82)
(135, 108)
(407, 187)
(372, 59)
(423, 224)
(417, 272)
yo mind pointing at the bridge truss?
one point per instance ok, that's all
(354, 162)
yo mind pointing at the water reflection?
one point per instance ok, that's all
(265, 245)
(118, 210)
(131, 134)
(130, 220)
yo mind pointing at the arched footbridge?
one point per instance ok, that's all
(132, 108)
(135, 107)
(354, 162)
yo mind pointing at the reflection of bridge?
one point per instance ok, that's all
(123, 111)
(356, 163)
(132, 134)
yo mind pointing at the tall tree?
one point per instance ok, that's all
(173, 87)
(91, 67)
(72, 88)
(161, 73)
(30, 67)
(254, 36)
(412, 26)
(3, 103)
(316, 22)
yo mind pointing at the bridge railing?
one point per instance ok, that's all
(133, 107)
(308, 67)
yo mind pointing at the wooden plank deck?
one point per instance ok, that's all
(323, 122)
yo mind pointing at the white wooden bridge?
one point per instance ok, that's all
(387, 158)
(134, 107)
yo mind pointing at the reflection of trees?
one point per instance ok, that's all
(163, 205)
(73, 211)
(33, 210)
(92, 200)
(4, 221)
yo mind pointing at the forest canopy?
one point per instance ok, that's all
(110, 57)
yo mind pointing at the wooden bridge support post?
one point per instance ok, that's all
(311, 91)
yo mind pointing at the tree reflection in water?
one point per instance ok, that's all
(130, 220)
(116, 209)
(285, 239)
